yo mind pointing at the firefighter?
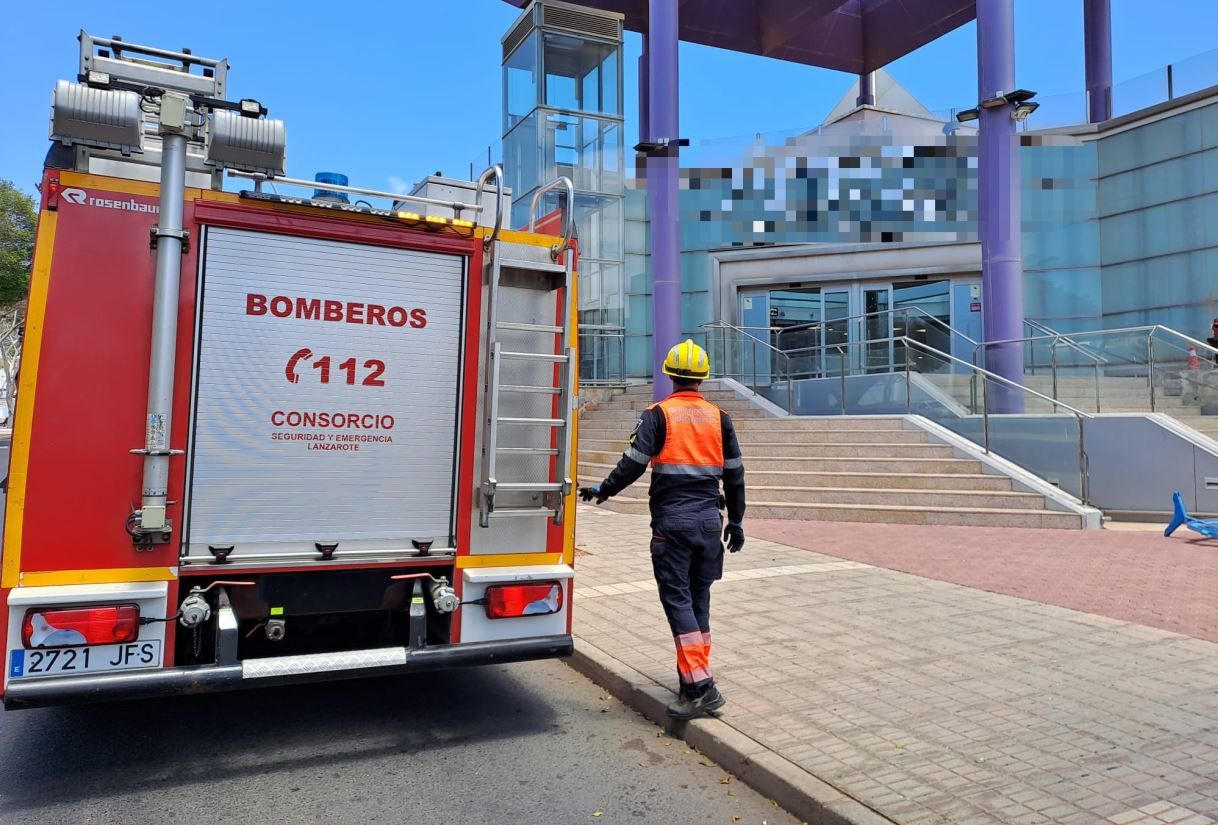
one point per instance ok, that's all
(691, 445)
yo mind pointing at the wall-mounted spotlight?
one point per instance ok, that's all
(1021, 111)
(1020, 99)
(662, 144)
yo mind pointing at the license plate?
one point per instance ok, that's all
(65, 661)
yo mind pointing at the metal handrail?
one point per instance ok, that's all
(1150, 331)
(1147, 328)
(979, 371)
(975, 372)
(986, 377)
(784, 360)
(568, 223)
(742, 331)
(1065, 338)
(992, 376)
(496, 172)
(259, 178)
(1096, 359)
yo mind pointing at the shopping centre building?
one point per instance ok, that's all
(876, 209)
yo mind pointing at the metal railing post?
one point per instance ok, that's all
(1096, 365)
(908, 383)
(972, 384)
(790, 388)
(1053, 366)
(841, 363)
(1084, 471)
(985, 414)
(1150, 367)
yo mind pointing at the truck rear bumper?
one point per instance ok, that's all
(317, 667)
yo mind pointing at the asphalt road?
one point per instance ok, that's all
(521, 744)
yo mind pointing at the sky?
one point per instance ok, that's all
(390, 92)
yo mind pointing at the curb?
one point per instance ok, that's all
(809, 799)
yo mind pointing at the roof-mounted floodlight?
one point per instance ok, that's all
(660, 145)
(102, 118)
(237, 140)
(251, 108)
(1020, 99)
(1022, 110)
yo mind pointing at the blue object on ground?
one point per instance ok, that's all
(1207, 527)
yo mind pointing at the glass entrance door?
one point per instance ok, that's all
(797, 328)
(836, 355)
(826, 328)
(876, 328)
(922, 312)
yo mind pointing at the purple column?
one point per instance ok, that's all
(999, 203)
(662, 177)
(1097, 44)
(866, 90)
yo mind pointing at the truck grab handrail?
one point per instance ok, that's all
(259, 178)
(496, 172)
(568, 223)
(118, 46)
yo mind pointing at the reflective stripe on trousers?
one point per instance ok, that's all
(693, 658)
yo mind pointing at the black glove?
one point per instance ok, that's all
(589, 493)
(733, 537)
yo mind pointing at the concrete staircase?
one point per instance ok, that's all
(866, 469)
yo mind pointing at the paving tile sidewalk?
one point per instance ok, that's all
(928, 701)
(1136, 576)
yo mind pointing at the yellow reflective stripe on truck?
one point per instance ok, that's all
(42, 578)
(509, 560)
(19, 459)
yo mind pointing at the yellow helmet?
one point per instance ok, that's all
(687, 360)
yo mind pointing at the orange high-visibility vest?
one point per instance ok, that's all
(693, 441)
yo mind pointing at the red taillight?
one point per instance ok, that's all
(506, 601)
(71, 626)
(52, 194)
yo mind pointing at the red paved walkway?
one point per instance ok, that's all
(1138, 577)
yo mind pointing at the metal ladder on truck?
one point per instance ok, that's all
(531, 368)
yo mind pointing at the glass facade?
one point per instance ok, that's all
(1158, 223)
(1119, 228)
(1120, 224)
(563, 117)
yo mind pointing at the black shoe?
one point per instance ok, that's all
(687, 708)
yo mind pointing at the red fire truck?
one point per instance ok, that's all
(265, 438)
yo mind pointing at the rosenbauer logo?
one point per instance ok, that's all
(82, 198)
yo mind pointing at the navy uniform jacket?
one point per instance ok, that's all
(680, 490)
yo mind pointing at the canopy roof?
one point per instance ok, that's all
(846, 35)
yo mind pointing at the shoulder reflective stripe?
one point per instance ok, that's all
(686, 470)
(733, 463)
(636, 455)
